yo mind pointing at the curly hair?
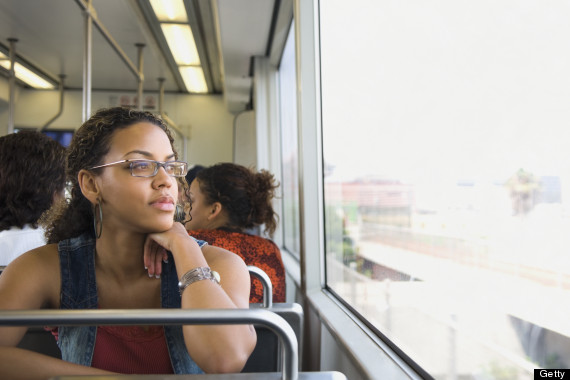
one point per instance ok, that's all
(244, 193)
(89, 145)
(32, 172)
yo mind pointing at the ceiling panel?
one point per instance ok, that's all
(51, 37)
(244, 29)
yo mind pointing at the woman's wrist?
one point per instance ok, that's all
(197, 274)
(188, 254)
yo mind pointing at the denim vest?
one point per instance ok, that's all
(79, 291)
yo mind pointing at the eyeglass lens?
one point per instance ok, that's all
(150, 168)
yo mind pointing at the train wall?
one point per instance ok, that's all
(203, 118)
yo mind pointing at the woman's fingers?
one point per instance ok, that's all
(153, 256)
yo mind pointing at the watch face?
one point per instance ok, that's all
(216, 276)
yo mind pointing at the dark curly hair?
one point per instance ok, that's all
(32, 171)
(243, 192)
(89, 145)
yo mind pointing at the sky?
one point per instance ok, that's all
(445, 90)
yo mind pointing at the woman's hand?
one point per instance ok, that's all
(154, 255)
(157, 245)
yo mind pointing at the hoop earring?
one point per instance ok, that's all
(179, 213)
(99, 230)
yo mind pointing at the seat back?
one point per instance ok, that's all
(40, 340)
(266, 356)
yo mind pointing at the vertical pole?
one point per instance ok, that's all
(140, 76)
(87, 62)
(12, 85)
(452, 371)
(160, 95)
(168, 120)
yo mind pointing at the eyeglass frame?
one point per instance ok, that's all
(159, 164)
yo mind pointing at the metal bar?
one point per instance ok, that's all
(164, 317)
(87, 61)
(86, 6)
(161, 111)
(140, 76)
(12, 85)
(266, 282)
(60, 111)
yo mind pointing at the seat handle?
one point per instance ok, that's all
(266, 282)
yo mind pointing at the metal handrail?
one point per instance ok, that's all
(87, 6)
(61, 98)
(266, 282)
(164, 317)
(164, 116)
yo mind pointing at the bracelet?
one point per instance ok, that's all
(197, 274)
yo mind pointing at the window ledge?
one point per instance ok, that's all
(372, 356)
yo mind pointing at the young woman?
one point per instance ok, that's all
(227, 202)
(104, 248)
(32, 178)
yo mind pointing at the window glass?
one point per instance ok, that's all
(290, 170)
(447, 178)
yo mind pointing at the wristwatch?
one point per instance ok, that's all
(197, 274)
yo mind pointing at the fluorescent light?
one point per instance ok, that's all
(181, 43)
(193, 77)
(26, 75)
(174, 24)
(169, 10)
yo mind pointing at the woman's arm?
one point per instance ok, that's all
(215, 348)
(31, 282)
(16, 364)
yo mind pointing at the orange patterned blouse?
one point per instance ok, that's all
(254, 250)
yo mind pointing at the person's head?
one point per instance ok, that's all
(32, 177)
(232, 196)
(194, 170)
(108, 179)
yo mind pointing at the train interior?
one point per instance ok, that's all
(421, 151)
(100, 53)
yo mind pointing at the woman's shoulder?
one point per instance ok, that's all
(43, 257)
(219, 255)
(34, 276)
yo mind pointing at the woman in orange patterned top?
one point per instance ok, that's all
(228, 200)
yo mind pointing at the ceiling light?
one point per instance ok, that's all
(169, 10)
(181, 43)
(26, 75)
(193, 77)
(173, 21)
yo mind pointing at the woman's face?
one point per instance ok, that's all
(141, 204)
(201, 210)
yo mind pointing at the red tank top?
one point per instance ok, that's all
(132, 350)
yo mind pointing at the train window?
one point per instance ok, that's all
(62, 136)
(447, 178)
(290, 162)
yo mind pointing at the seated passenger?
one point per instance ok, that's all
(227, 202)
(32, 178)
(119, 222)
(192, 173)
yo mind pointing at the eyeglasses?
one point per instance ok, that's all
(149, 168)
